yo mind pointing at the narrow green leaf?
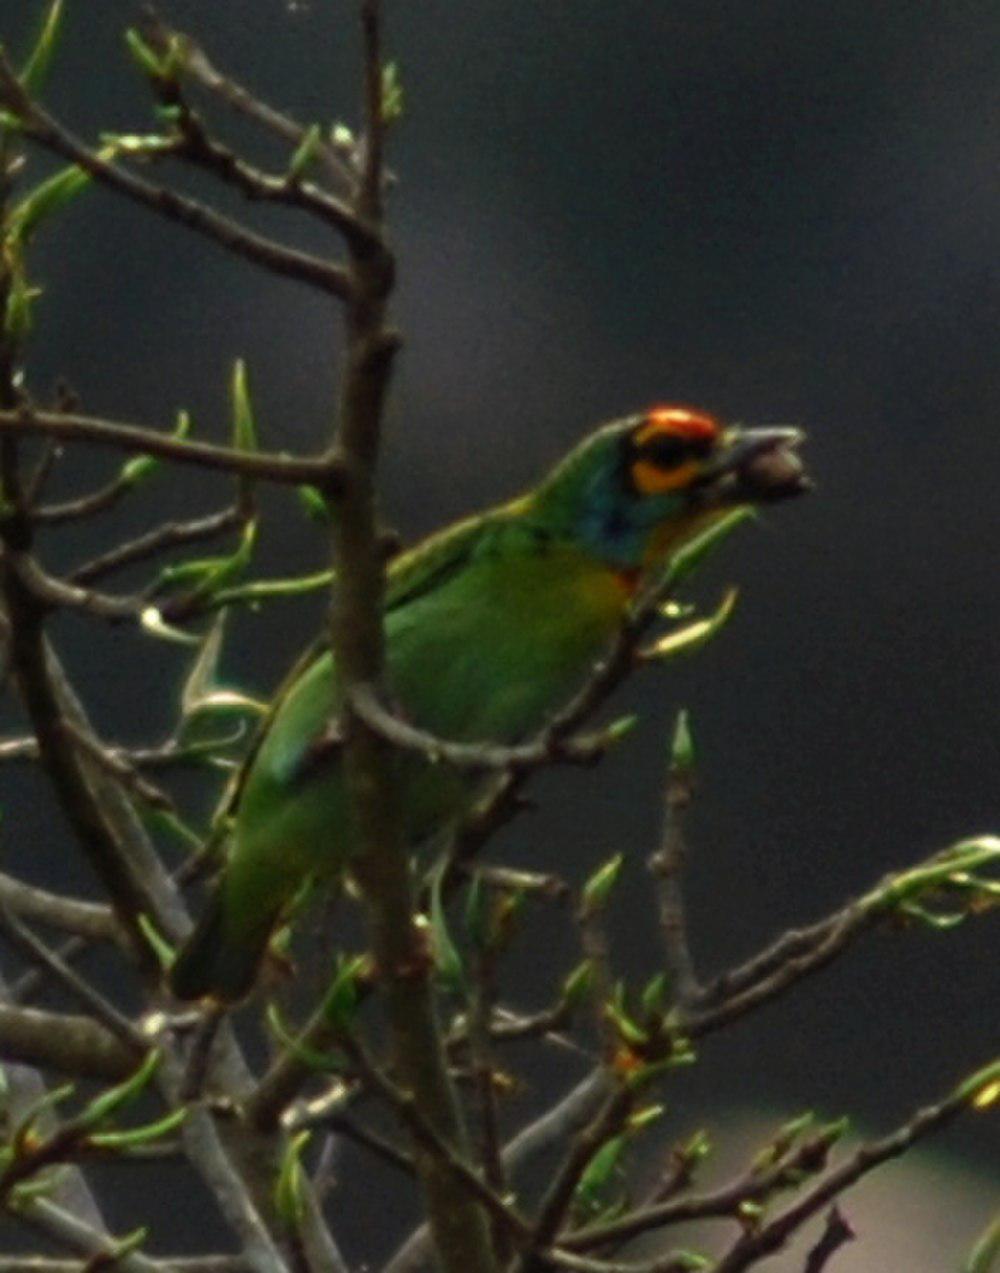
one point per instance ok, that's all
(321, 1062)
(578, 986)
(140, 467)
(630, 1031)
(47, 199)
(598, 888)
(134, 1137)
(159, 945)
(340, 1003)
(36, 68)
(682, 752)
(313, 503)
(290, 1189)
(687, 559)
(21, 296)
(392, 94)
(146, 58)
(654, 995)
(244, 424)
(600, 1171)
(116, 1098)
(692, 636)
(477, 911)
(985, 1255)
(447, 959)
(305, 153)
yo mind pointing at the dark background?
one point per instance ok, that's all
(785, 212)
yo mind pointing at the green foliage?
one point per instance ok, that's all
(598, 889)
(292, 1183)
(36, 69)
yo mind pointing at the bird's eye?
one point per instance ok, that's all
(668, 447)
(664, 450)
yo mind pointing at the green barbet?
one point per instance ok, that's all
(491, 624)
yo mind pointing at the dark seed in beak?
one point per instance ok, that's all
(774, 474)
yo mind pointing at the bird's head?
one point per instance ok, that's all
(633, 491)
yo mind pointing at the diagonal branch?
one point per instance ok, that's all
(181, 209)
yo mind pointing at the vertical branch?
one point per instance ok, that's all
(382, 867)
(666, 866)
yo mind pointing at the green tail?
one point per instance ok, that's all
(216, 962)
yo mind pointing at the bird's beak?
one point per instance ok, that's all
(756, 465)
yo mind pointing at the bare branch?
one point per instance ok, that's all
(158, 540)
(770, 1237)
(90, 920)
(72, 1045)
(103, 1010)
(195, 64)
(836, 1234)
(74, 1234)
(265, 253)
(324, 471)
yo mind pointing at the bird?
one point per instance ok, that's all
(490, 626)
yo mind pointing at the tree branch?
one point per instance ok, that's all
(73, 1045)
(265, 253)
(325, 471)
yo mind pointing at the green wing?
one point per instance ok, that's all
(413, 574)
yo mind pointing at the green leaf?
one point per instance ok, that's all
(392, 94)
(985, 1255)
(146, 58)
(447, 959)
(244, 424)
(629, 1031)
(642, 1118)
(578, 986)
(688, 558)
(340, 1004)
(154, 623)
(599, 1172)
(477, 912)
(21, 297)
(47, 199)
(118, 1097)
(140, 467)
(10, 122)
(321, 1062)
(305, 153)
(290, 1189)
(693, 636)
(654, 995)
(314, 504)
(159, 945)
(682, 752)
(36, 68)
(134, 1137)
(982, 1089)
(598, 888)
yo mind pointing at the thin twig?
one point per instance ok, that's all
(836, 1234)
(770, 1237)
(325, 471)
(66, 914)
(67, 1044)
(153, 542)
(666, 866)
(23, 939)
(195, 64)
(181, 209)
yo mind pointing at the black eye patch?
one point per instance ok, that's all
(668, 450)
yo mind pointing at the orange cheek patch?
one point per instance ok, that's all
(649, 479)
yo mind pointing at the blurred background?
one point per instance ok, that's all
(784, 212)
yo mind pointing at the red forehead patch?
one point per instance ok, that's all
(685, 422)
